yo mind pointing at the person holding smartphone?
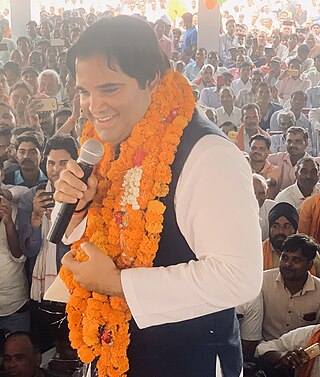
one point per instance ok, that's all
(34, 213)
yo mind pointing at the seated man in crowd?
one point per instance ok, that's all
(29, 152)
(192, 69)
(298, 102)
(34, 222)
(291, 81)
(258, 153)
(228, 112)
(296, 145)
(260, 187)
(283, 221)
(250, 95)
(286, 354)
(250, 119)
(307, 184)
(244, 81)
(285, 120)
(291, 293)
(275, 71)
(267, 107)
(210, 97)
(21, 356)
(313, 74)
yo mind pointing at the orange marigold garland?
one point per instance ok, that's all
(125, 221)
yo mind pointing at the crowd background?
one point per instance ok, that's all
(261, 88)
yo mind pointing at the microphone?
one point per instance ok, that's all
(91, 153)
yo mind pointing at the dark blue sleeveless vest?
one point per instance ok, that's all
(188, 348)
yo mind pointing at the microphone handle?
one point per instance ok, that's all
(66, 210)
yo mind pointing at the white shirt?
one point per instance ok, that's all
(234, 117)
(314, 76)
(292, 340)
(221, 228)
(238, 85)
(263, 214)
(14, 290)
(250, 317)
(294, 196)
(282, 51)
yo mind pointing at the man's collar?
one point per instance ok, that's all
(309, 285)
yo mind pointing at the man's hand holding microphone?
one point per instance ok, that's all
(98, 273)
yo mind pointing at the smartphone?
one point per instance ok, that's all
(57, 42)
(49, 104)
(301, 30)
(313, 351)
(287, 23)
(293, 72)
(3, 47)
(47, 195)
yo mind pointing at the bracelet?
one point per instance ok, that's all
(84, 208)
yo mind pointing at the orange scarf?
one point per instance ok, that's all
(267, 255)
(306, 370)
(240, 137)
(315, 223)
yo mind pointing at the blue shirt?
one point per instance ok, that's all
(189, 38)
(19, 180)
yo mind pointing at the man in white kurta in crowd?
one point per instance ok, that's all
(307, 184)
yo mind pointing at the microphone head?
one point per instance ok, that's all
(91, 152)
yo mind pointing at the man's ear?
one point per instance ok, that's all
(154, 83)
(310, 264)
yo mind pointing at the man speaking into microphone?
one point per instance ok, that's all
(160, 264)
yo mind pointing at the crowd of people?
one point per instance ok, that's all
(262, 90)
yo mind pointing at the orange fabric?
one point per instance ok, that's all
(309, 222)
(240, 137)
(306, 370)
(267, 255)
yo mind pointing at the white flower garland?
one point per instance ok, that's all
(131, 185)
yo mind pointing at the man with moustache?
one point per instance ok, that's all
(296, 145)
(291, 293)
(250, 118)
(283, 222)
(307, 184)
(29, 148)
(258, 153)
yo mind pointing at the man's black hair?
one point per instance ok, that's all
(306, 159)
(302, 242)
(266, 139)
(25, 334)
(5, 130)
(24, 85)
(298, 130)
(29, 137)
(59, 142)
(23, 39)
(126, 42)
(13, 66)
